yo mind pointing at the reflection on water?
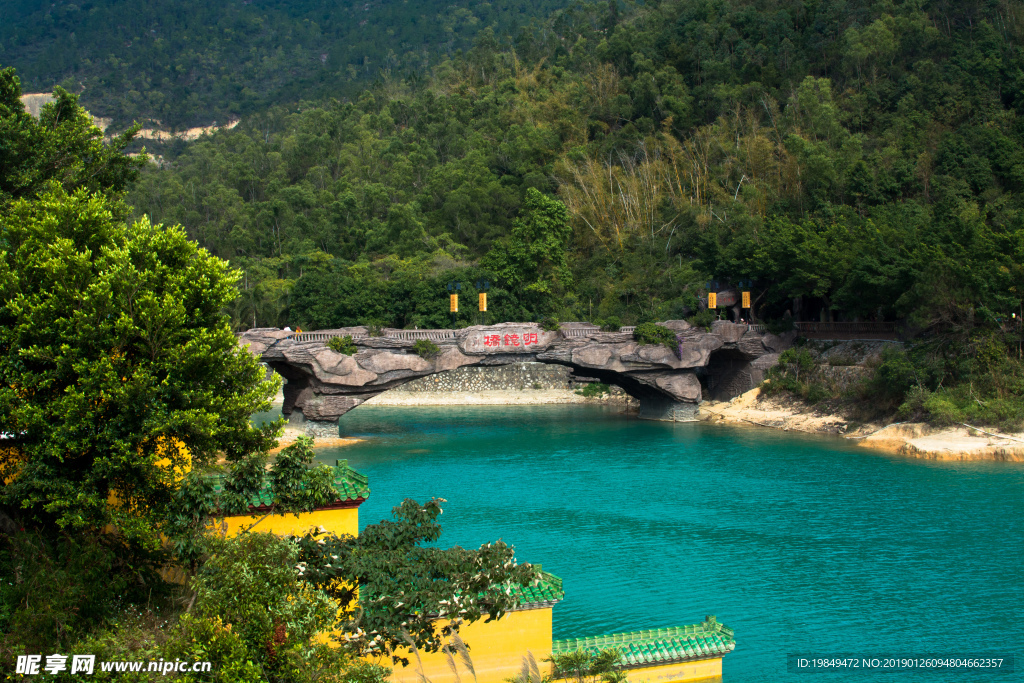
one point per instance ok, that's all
(803, 544)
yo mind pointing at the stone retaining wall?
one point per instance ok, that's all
(515, 377)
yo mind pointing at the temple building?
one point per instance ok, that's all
(498, 648)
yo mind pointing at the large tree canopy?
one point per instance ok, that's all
(62, 146)
(118, 367)
(118, 370)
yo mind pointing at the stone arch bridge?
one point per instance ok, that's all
(324, 385)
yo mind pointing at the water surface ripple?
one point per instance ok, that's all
(802, 544)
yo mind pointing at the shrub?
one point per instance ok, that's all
(800, 359)
(210, 639)
(703, 319)
(253, 585)
(594, 390)
(537, 386)
(425, 348)
(841, 360)
(550, 325)
(63, 587)
(816, 393)
(375, 328)
(343, 345)
(582, 666)
(651, 333)
(893, 378)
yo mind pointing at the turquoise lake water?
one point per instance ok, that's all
(802, 544)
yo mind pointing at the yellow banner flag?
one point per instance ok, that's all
(454, 303)
(483, 301)
(746, 299)
(712, 300)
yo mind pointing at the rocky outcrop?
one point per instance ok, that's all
(324, 384)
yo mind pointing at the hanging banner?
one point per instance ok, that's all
(712, 300)
(483, 301)
(746, 299)
(454, 303)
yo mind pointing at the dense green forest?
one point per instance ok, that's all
(189, 63)
(852, 160)
(865, 158)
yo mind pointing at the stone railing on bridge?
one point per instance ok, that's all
(324, 336)
(432, 335)
(866, 331)
(582, 329)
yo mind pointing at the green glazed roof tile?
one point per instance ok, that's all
(658, 646)
(350, 485)
(544, 592)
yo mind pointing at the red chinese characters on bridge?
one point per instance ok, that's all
(527, 339)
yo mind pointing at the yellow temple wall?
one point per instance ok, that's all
(496, 649)
(677, 672)
(338, 520)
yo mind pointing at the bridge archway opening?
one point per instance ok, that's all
(325, 384)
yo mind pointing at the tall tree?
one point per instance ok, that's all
(532, 260)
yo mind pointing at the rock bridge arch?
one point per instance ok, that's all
(324, 385)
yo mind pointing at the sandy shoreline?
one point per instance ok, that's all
(910, 439)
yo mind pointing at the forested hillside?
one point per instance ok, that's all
(866, 158)
(850, 160)
(189, 63)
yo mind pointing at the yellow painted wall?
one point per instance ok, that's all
(691, 672)
(497, 650)
(337, 520)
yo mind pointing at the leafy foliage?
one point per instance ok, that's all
(532, 260)
(117, 325)
(210, 639)
(405, 586)
(167, 61)
(583, 666)
(253, 584)
(425, 348)
(118, 368)
(652, 333)
(703, 319)
(343, 345)
(57, 589)
(62, 146)
(594, 390)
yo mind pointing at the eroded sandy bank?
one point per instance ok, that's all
(914, 440)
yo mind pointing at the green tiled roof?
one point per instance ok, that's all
(351, 485)
(541, 593)
(659, 646)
